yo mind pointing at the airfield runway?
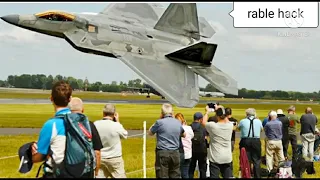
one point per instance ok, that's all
(159, 101)
(16, 131)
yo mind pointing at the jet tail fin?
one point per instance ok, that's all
(180, 18)
(200, 54)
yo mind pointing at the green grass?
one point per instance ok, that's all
(131, 116)
(132, 155)
(40, 94)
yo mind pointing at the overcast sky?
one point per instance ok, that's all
(258, 58)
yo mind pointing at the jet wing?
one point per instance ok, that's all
(175, 81)
(220, 80)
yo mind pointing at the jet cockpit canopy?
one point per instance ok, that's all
(56, 15)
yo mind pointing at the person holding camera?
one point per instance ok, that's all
(111, 132)
(220, 133)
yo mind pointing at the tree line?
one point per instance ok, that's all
(41, 81)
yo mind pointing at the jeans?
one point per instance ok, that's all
(167, 164)
(184, 166)
(201, 158)
(224, 169)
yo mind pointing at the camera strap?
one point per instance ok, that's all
(107, 119)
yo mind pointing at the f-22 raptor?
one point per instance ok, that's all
(167, 47)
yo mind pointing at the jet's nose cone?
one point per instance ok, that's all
(12, 19)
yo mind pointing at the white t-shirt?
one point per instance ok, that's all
(111, 134)
(220, 142)
(187, 143)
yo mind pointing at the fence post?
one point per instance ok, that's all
(144, 149)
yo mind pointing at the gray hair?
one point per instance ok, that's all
(273, 114)
(251, 112)
(75, 104)
(109, 109)
(166, 109)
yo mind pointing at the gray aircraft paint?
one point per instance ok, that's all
(141, 35)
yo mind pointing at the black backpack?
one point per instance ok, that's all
(198, 138)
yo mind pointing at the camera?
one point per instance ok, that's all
(212, 106)
(114, 119)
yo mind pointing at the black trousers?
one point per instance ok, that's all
(253, 149)
(285, 143)
(201, 158)
(167, 164)
(224, 169)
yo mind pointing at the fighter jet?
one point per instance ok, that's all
(167, 47)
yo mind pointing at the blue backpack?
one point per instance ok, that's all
(79, 156)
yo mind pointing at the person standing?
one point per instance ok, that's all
(199, 147)
(111, 132)
(187, 147)
(168, 131)
(52, 137)
(220, 152)
(250, 129)
(273, 130)
(293, 121)
(308, 124)
(235, 124)
(76, 106)
(285, 131)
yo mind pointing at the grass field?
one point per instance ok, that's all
(132, 154)
(40, 94)
(131, 116)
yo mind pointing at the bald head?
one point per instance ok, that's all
(76, 105)
(308, 110)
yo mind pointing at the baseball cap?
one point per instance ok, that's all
(25, 157)
(197, 116)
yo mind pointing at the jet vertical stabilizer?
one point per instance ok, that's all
(180, 18)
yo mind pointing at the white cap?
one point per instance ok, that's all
(279, 111)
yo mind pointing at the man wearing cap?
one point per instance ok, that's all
(293, 121)
(285, 131)
(199, 147)
(250, 131)
(308, 124)
(220, 152)
(111, 132)
(168, 131)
